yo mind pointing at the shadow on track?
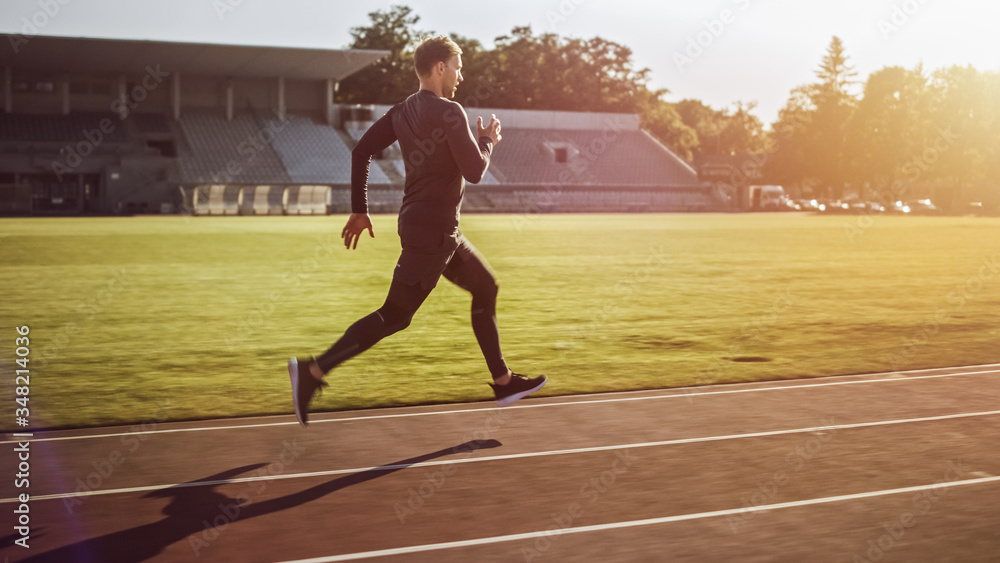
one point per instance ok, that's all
(196, 507)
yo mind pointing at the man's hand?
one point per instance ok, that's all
(356, 224)
(492, 130)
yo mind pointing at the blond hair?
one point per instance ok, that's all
(434, 50)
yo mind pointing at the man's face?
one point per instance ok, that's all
(452, 76)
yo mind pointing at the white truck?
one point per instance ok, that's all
(765, 198)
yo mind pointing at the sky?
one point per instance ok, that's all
(717, 51)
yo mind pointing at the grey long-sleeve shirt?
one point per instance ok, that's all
(439, 151)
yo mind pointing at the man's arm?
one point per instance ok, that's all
(378, 138)
(471, 154)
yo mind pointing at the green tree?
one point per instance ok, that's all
(965, 122)
(811, 131)
(836, 75)
(789, 163)
(890, 127)
(707, 123)
(826, 139)
(743, 132)
(391, 79)
(548, 72)
(663, 122)
(735, 131)
(553, 73)
(523, 71)
(991, 119)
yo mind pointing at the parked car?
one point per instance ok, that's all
(768, 198)
(806, 205)
(918, 207)
(867, 207)
(836, 208)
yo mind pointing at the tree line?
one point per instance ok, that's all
(899, 128)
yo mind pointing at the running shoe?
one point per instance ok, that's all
(518, 388)
(304, 386)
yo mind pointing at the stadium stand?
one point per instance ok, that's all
(151, 123)
(286, 148)
(340, 200)
(529, 156)
(553, 161)
(59, 128)
(219, 150)
(385, 199)
(310, 152)
(15, 199)
(355, 129)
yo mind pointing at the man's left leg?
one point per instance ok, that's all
(469, 270)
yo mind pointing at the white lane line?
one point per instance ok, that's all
(509, 456)
(679, 392)
(638, 523)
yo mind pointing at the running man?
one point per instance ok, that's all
(440, 155)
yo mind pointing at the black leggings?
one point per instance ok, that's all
(466, 269)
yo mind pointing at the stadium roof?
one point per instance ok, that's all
(50, 54)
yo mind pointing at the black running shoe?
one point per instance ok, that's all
(518, 388)
(304, 386)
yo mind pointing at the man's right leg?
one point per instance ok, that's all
(394, 315)
(425, 254)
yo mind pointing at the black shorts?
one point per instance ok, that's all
(428, 252)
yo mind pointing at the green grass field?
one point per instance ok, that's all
(173, 318)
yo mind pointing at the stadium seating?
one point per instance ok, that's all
(232, 152)
(384, 199)
(600, 158)
(60, 128)
(15, 199)
(576, 199)
(315, 153)
(150, 123)
(301, 167)
(340, 200)
(355, 129)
